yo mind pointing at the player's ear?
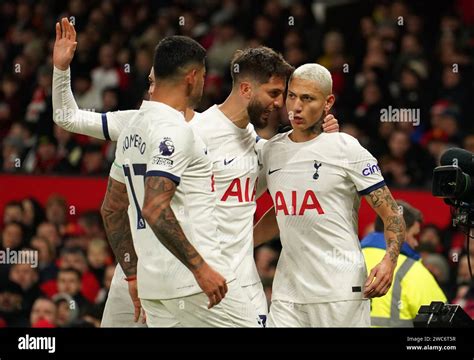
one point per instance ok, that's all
(330, 99)
(191, 77)
(245, 89)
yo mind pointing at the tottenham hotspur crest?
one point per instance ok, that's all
(316, 167)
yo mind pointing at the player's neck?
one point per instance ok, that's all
(235, 111)
(170, 97)
(303, 136)
(189, 114)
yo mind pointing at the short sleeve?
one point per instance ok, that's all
(114, 122)
(363, 169)
(116, 170)
(172, 152)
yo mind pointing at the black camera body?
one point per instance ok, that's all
(454, 182)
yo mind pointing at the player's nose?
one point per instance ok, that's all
(278, 103)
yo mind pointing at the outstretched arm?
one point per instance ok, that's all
(66, 113)
(380, 278)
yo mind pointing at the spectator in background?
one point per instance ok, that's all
(56, 210)
(367, 113)
(43, 313)
(46, 158)
(86, 96)
(463, 279)
(91, 224)
(226, 41)
(467, 301)
(11, 300)
(98, 257)
(27, 277)
(39, 111)
(67, 309)
(439, 267)
(46, 258)
(452, 87)
(93, 161)
(110, 99)
(33, 214)
(12, 150)
(405, 163)
(431, 240)
(10, 105)
(13, 212)
(333, 51)
(57, 214)
(25, 151)
(107, 74)
(50, 232)
(69, 282)
(69, 152)
(468, 143)
(12, 236)
(106, 281)
(75, 258)
(412, 286)
(139, 77)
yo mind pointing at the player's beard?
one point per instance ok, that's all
(255, 111)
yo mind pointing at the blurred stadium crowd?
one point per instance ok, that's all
(390, 53)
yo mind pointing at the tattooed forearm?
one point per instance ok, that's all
(162, 220)
(394, 225)
(376, 197)
(117, 226)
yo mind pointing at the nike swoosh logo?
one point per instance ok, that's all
(272, 171)
(228, 162)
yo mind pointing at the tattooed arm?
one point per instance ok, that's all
(159, 215)
(117, 226)
(386, 207)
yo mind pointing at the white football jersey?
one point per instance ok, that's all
(159, 142)
(236, 167)
(316, 187)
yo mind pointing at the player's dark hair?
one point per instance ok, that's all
(259, 64)
(173, 54)
(410, 215)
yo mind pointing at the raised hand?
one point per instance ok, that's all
(65, 44)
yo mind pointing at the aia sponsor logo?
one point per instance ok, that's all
(241, 190)
(297, 206)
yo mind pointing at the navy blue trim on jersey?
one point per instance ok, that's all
(105, 127)
(174, 178)
(372, 188)
(257, 139)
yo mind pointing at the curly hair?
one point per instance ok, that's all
(259, 64)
